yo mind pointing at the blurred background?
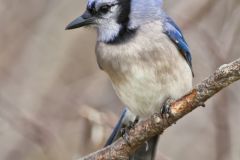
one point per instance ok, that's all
(56, 104)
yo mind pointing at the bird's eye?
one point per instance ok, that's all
(104, 9)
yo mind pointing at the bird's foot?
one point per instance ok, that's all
(125, 130)
(166, 110)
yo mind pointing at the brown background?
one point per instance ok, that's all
(55, 104)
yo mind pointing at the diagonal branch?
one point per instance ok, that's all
(224, 76)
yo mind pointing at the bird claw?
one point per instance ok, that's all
(125, 130)
(166, 110)
(125, 135)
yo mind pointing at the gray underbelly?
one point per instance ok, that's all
(146, 70)
(144, 89)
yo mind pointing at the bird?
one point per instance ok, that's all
(144, 54)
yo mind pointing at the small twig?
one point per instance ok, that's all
(143, 131)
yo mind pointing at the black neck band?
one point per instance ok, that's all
(125, 33)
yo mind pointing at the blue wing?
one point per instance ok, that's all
(175, 34)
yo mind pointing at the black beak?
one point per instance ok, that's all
(83, 20)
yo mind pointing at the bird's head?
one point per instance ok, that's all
(110, 17)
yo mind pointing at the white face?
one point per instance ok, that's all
(107, 16)
(106, 13)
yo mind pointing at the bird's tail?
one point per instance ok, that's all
(146, 151)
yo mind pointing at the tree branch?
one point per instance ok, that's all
(144, 130)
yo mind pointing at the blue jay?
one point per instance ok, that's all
(144, 54)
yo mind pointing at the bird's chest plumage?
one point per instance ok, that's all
(145, 71)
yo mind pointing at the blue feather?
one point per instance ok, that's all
(117, 129)
(175, 34)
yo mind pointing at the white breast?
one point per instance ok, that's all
(146, 70)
